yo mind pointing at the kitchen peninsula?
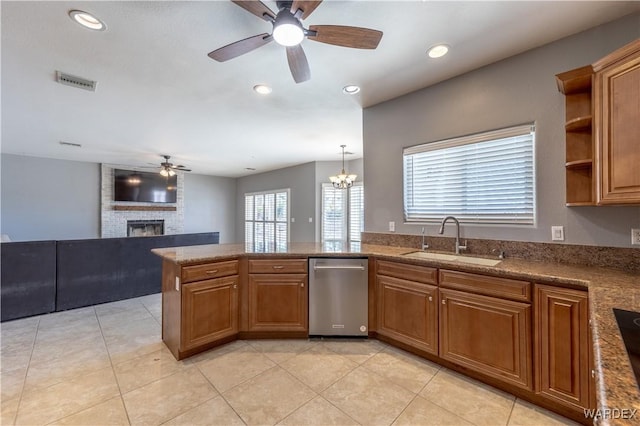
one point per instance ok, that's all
(213, 294)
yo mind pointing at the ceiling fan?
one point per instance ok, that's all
(168, 169)
(289, 32)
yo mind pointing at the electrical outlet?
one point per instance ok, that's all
(635, 236)
(293, 220)
(310, 220)
(557, 233)
(392, 227)
(177, 283)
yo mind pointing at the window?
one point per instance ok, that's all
(342, 214)
(266, 221)
(482, 178)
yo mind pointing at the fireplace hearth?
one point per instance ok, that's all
(145, 228)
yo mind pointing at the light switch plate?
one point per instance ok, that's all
(635, 236)
(557, 233)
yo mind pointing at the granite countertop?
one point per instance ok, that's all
(616, 386)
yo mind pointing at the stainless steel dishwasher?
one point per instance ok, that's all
(338, 296)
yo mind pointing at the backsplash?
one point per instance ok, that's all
(627, 259)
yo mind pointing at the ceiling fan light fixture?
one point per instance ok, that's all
(164, 172)
(350, 89)
(438, 51)
(262, 89)
(287, 30)
(87, 20)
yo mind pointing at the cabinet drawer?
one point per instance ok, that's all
(278, 266)
(405, 271)
(482, 284)
(209, 270)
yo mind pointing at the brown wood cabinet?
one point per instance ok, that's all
(563, 346)
(602, 127)
(488, 334)
(617, 113)
(407, 312)
(209, 311)
(576, 85)
(278, 301)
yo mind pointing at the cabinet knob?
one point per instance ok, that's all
(211, 271)
(235, 286)
(593, 374)
(301, 284)
(430, 299)
(444, 302)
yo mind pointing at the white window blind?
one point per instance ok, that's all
(342, 213)
(482, 178)
(266, 221)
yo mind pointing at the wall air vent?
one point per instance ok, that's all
(73, 81)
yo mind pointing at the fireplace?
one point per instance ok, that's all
(145, 228)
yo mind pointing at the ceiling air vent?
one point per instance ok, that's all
(73, 81)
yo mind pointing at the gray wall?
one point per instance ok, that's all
(45, 199)
(210, 205)
(517, 90)
(301, 181)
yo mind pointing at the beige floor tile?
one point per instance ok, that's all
(42, 406)
(318, 412)
(356, 350)
(124, 317)
(426, 413)
(281, 350)
(118, 306)
(151, 300)
(12, 383)
(166, 398)
(469, 399)
(410, 372)
(269, 397)
(66, 367)
(232, 368)
(133, 340)
(527, 414)
(68, 318)
(9, 408)
(216, 352)
(21, 325)
(214, 412)
(148, 368)
(368, 398)
(108, 413)
(76, 331)
(319, 367)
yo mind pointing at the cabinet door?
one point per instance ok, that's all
(407, 312)
(487, 334)
(617, 94)
(563, 349)
(277, 302)
(209, 311)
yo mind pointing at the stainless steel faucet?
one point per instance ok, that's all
(441, 231)
(424, 245)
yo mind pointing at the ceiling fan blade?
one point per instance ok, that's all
(240, 47)
(257, 8)
(307, 7)
(298, 63)
(339, 35)
(182, 169)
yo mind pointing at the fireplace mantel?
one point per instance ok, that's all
(145, 208)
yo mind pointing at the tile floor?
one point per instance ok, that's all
(107, 365)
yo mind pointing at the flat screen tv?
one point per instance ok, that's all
(144, 187)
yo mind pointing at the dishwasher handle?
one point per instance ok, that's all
(319, 267)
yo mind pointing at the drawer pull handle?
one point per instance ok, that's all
(278, 267)
(444, 302)
(211, 271)
(430, 299)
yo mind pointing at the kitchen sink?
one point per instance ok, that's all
(453, 258)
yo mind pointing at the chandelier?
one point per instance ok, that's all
(342, 180)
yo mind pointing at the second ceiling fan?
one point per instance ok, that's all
(289, 32)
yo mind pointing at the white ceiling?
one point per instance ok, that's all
(158, 92)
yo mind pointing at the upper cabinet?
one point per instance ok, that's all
(603, 129)
(617, 110)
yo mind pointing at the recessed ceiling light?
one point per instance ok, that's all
(351, 89)
(262, 89)
(87, 20)
(438, 50)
